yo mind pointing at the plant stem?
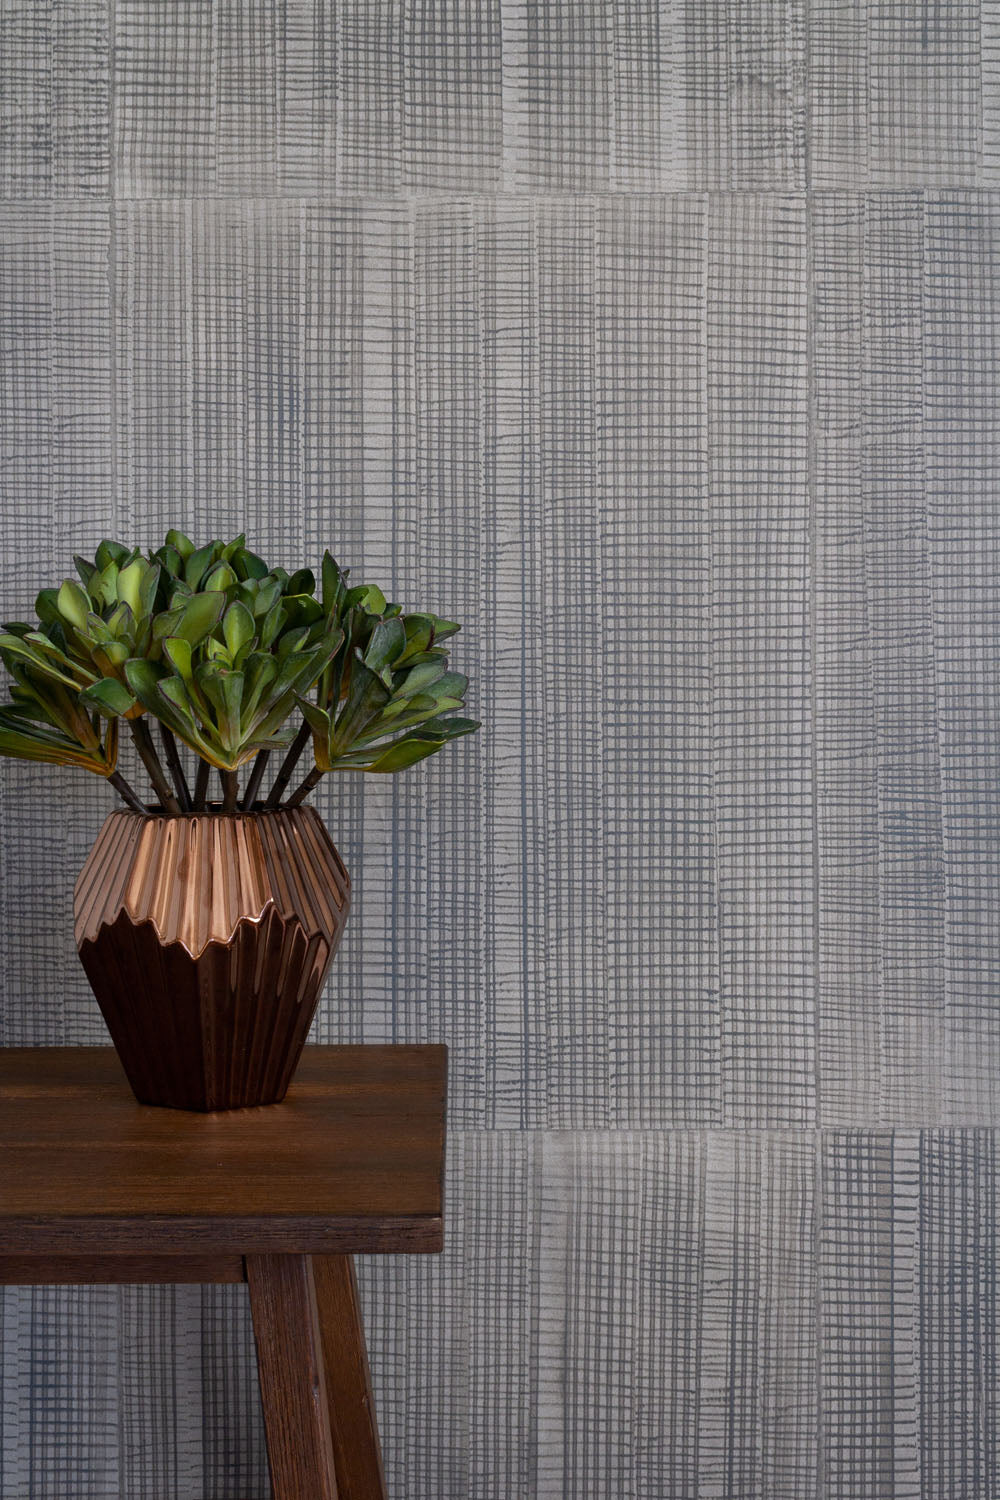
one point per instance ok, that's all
(253, 785)
(230, 790)
(150, 759)
(176, 769)
(288, 765)
(305, 787)
(201, 785)
(125, 792)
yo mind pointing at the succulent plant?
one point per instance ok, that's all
(233, 660)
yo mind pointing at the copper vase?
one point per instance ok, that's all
(206, 939)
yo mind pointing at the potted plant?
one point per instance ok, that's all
(206, 924)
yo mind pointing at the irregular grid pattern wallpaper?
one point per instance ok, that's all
(656, 342)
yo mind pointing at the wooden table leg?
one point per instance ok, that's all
(356, 1451)
(292, 1376)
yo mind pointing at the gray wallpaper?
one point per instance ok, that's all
(655, 340)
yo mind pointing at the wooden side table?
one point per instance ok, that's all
(97, 1188)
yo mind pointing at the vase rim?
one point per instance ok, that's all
(212, 810)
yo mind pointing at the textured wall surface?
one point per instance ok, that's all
(657, 341)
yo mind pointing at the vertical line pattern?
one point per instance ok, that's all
(655, 343)
(756, 430)
(960, 362)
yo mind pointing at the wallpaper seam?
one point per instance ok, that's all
(699, 1243)
(113, 262)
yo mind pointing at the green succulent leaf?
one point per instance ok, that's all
(272, 626)
(333, 588)
(197, 563)
(238, 627)
(248, 564)
(166, 698)
(267, 595)
(224, 691)
(296, 675)
(119, 624)
(199, 617)
(301, 582)
(170, 560)
(111, 657)
(302, 609)
(224, 651)
(73, 604)
(387, 643)
(181, 544)
(110, 552)
(143, 678)
(149, 589)
(103, 588)
(290, 642)
(47, 607)
(417, 680)
(259, 672)
(449, 728)
(399, 710)
(85, 569)
(173, 693)
(108, 697)
(403, 755)
(39, 653)
(419, 631)
(319, 721)
(363, 598)
(417, 746)
(29, 704)
(129, 585)
(22, 737)
(366, 696)
(179, 653)
(407, 714)
(219, 578)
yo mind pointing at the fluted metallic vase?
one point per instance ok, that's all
(206, 939)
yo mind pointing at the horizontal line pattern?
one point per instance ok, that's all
(904, 371)
(517, 393)
(208, 379)
(761, 734)
(654, 341)
(437, 389)
(60, 1411)
(56, 496)
(961, 305)
(166, 1374)
(319, 96)
(877, 464)
(908, 1257)
(648, 1326)
(55, 107)
(900, 94)
(665, 1019)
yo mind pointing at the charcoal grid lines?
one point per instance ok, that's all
(656, 342)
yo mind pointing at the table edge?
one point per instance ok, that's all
(413, 1234)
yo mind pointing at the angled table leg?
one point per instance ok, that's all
(356, 1451)
(292, 1377)
(96, 1187)
(322, 1437)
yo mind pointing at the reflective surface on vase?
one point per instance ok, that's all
(206, 939)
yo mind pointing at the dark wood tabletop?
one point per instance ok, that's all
(351, 1161)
